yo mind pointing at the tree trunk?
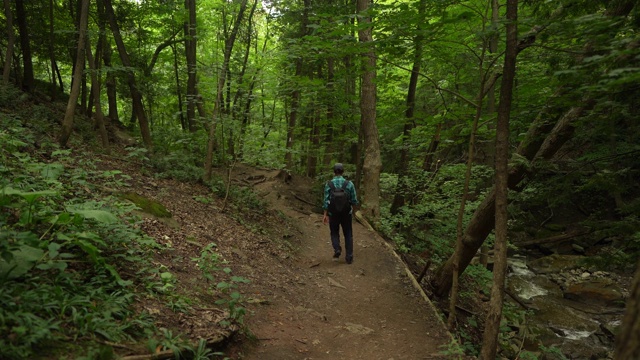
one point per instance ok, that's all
(627, 341)
(399, 198)
(67, 124)
(465, 193)
(208, 164)
(314, 140)
(10, 41)
(431, 151)
(190, 50)
(25, 45)
(492, 324)
(52, 57)
(372, 163)
(482, 221)
(295, 94)
(136, 96)
(95, 91)
(328, 137)
(545, 136)
(183, 122)
(240, 112)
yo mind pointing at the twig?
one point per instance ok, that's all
(303, 200)
(168, 354)
(424, 271)
(226, 195)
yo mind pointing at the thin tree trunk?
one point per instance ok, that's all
(545, 136)
(10, 42)
(67, 123)
(627, 342)
(314, 140)
(208, 164)
(136, 96)
(95, 91)
(328, 138)
(52, 57)
(190, 50)
(183, 122)
(399, 198)
(27, 61)
(110, 81)
(110, 84)
(372, 163)
(239, 111)
(431, 151)
(465, 193)
(492, 324)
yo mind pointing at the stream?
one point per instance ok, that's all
(573, 309)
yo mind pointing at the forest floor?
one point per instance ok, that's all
(300, 304)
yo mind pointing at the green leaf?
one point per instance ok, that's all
(24, 259)
(166, 276)
(53, 250)
(30, 196)
(98, 215)
(52, 171)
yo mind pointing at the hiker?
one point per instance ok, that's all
(339, 199)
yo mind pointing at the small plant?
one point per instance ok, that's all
(209, 263)
(236, 312)
(452, 350)
(202, 199)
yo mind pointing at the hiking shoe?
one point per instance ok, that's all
(349, 261)
(336, 256)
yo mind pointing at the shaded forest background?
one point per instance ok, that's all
(405, 93)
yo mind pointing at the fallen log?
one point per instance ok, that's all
(551, 239)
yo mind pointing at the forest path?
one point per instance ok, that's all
(316, 308)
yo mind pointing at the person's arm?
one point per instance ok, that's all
(354, 197)
(325, 204)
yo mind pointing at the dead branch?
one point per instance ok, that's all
(303, 200)
(168, 354)
(552, 239)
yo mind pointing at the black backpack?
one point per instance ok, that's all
(339, 203)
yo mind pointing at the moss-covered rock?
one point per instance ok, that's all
(147, 205)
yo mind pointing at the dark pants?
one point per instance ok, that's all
(334, 224)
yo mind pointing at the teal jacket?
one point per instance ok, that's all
(338, 181)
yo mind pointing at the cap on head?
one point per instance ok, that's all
(338, 168)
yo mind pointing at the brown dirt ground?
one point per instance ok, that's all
(301, 304)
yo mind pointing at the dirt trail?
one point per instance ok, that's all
(331, 310)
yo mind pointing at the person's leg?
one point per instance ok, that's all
(334, 226)
(347, 230)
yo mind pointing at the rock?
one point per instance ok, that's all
(597, 291)
(577, 248)
(611, 328)
(583, 349)
(358, 329)
(555, 263)
(585, 275)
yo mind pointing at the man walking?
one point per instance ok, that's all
(339, 199)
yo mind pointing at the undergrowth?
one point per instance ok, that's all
(73, 262)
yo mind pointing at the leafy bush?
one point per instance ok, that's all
(65, 258)
(428, 219)
(179, 155)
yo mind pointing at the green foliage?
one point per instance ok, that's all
(452, 350)
(210, 263)
(428, 220)
(66, 259)
(179, 155)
